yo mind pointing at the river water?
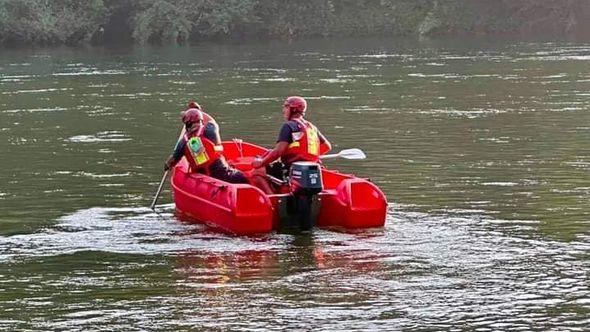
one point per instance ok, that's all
(482, 147)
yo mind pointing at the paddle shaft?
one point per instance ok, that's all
(153, 205)
(159, 190)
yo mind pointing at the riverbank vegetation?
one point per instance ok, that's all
(72, 22)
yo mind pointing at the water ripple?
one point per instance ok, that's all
(104, 136)
(435, 271)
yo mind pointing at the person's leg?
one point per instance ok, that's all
(258, 179)
(231, 175)
(275, 177)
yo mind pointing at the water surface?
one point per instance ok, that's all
(480, 146)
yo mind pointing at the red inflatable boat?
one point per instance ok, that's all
(342, 200)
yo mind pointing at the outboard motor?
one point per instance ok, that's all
(305, 180)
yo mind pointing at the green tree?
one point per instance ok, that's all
(222, 17)
(178, 20)
(49, 22)
(161, 22)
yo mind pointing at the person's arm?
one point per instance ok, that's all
(208, 118)
(274, 154)
(325, 145)
(214, 136)
(213, 126)
(279, 150)
(176, 155)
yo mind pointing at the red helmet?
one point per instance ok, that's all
(194, 104)
(296, 104)
(192, 115)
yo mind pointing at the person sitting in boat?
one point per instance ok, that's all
(200, 144)
(208, 121)
(298, 140)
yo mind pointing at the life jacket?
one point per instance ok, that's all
(200, 162)
(305, 145)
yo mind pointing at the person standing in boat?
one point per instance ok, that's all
(298, 140)
(200, 143)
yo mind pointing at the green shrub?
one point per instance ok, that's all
(176, 21)
(49, 22)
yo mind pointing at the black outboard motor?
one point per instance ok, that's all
(305, 179)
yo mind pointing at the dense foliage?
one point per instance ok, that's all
(179, 21)
(49, 21)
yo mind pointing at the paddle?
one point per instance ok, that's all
(346, 154)
(159, 190)
(153, 205)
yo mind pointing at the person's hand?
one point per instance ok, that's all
(257, 162)
(168, 164)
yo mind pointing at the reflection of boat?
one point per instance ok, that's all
(224, 267)
(344, 200)
(269, 262)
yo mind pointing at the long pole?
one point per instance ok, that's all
(153, 205)
(159, 190)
